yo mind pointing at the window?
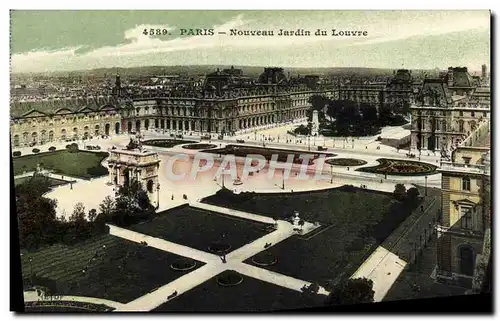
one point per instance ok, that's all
(461, 126)
(466, 184)
(472, 114)
(485, 114)
(466, 217)
(466, 160)
(461, 113)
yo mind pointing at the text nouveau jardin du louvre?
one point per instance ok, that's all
(299, 32)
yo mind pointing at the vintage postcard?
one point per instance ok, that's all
(250, 161)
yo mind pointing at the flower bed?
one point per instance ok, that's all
(65, 306)
(345, 162)
(281, 154)
(199, 146)
(400, 167)
(166, 143)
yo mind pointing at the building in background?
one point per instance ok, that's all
(446, 111)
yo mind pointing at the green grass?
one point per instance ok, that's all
(251, 295)
(52, 181)
(81, 164)
(122, 271)
(357, 222)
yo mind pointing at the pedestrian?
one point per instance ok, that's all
(172, 197)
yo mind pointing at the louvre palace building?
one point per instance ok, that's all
(447, 110)
(226, 102)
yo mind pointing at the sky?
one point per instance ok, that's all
(44, 41)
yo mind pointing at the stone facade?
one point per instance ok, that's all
(465, 208)
(444, 115)
(126, 165)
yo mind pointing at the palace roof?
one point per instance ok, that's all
(68, 104)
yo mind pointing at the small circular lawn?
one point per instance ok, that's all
(229, 278)
(183, 264)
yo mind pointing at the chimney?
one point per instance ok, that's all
(450, 77)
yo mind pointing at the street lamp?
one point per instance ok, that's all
(426, 185)
(331, 174)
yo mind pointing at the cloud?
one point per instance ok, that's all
(137, 46)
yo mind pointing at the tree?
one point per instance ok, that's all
(131, 203)
(412, 194)
(400, 192)
(107, 206)
(352, 291)
(310, 294)
(36, 214)
(78, 215)
(92, 215)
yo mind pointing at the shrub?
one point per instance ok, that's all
(36, 150)
(16, 154)
(52, 148)
(400, 192)
(412, 194)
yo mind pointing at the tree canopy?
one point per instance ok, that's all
(351, 291)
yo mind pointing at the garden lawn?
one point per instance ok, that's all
(357, 222)
(81, 164)
(53, 182)
(198, 228)
(122, 271)
(251, 295)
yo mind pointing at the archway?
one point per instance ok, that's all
(146, 124)
(150, 186)
(106, 129)
(75, 132)
(466, 254)
(117, 128)
(96, 130)
(138, 126)
(16, 140)
(63, 134)
(129, 127)
(34, 137)
(51, 135)
(126, 177)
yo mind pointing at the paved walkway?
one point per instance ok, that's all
(163, 245)
(275, 278)
(214, 264)
(32, 296)
(228, 211)
(389, 260)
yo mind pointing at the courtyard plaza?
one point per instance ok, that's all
(388, 260)
(172, 193)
